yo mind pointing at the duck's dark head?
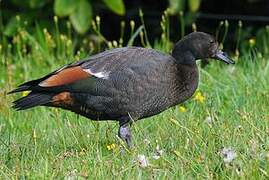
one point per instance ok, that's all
(198, 45)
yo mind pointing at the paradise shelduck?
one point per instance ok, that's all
(124, 84)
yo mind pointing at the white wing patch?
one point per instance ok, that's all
(102, 75)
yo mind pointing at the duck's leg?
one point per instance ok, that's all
(125, 132)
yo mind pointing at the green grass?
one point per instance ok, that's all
(52, 143)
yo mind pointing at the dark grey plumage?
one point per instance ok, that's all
(146, 83)
(124, 83)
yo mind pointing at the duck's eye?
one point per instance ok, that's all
(212, 41)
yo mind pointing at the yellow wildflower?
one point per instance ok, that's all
(252, 42)
(25, 93)
(111, 146)
(199, 97)
(182, 109)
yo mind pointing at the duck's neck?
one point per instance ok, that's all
(187, 81)
(183, 54)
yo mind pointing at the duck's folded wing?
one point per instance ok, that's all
(97, 66)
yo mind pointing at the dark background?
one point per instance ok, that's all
(253, 13)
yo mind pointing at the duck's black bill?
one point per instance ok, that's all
(222, 56)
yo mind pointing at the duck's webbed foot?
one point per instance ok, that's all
(125, 133)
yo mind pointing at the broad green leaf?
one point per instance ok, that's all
(194, 5)
(117, 6)
(81, 17)
(11, 27)
(33, 4)
(176, 5)
(64, 7)
(37, 3)
(23, 4)
(190, 17)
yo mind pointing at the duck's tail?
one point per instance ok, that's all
(34, 98)
(31, 100)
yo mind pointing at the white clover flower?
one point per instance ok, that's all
(142, 161)
(228, 154)
(209, 120)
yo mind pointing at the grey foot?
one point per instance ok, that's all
(125, 134)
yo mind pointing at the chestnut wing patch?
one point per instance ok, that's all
(63, 99)
(65, 76)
